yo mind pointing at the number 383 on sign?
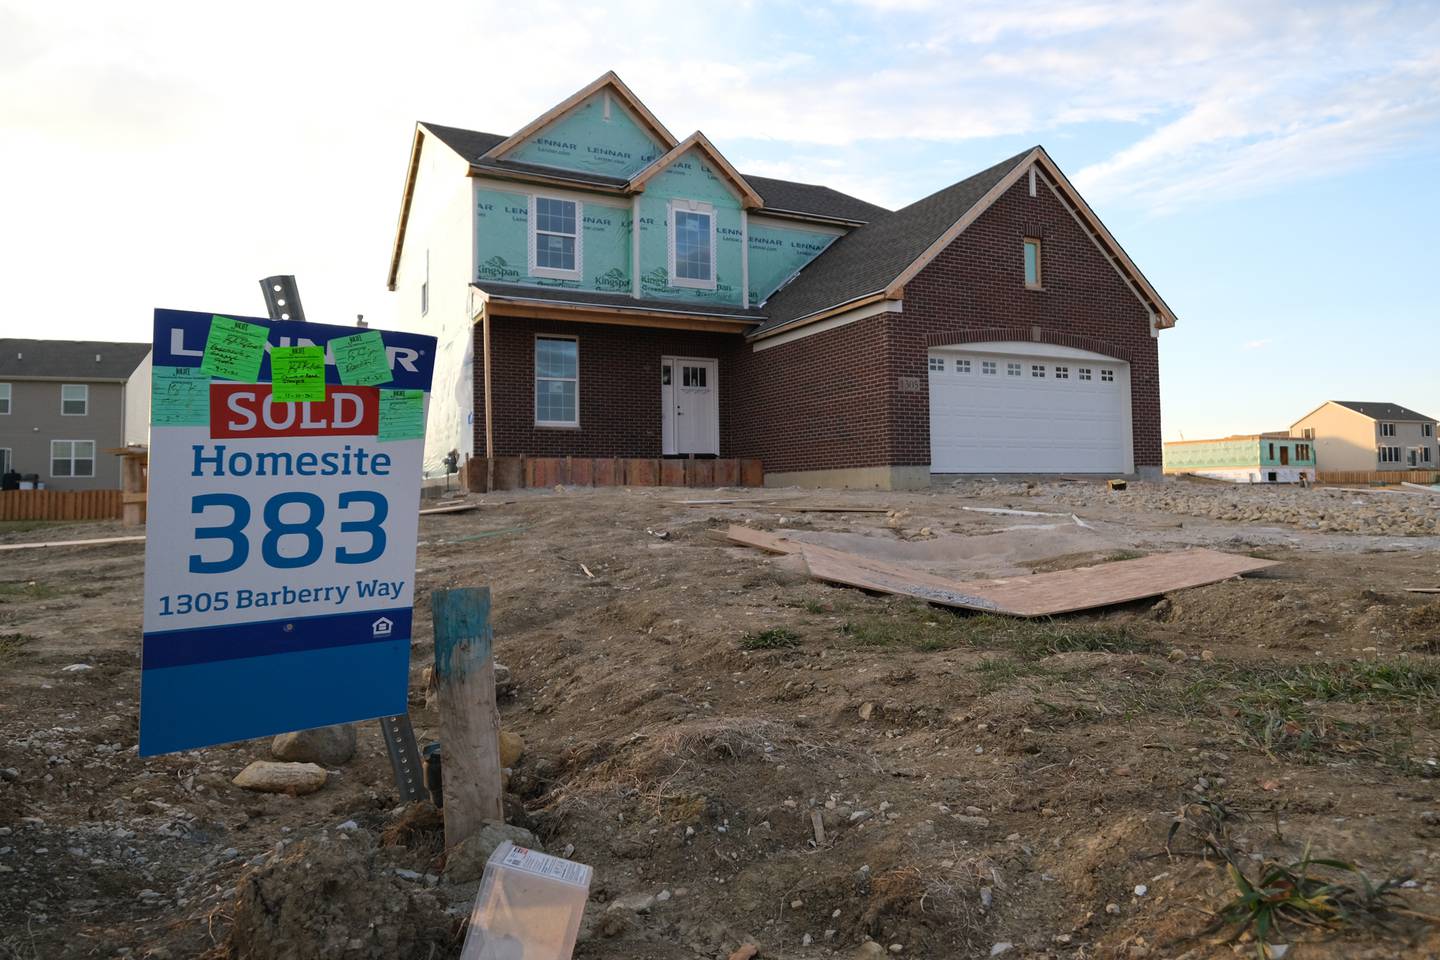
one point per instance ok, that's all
(289, 529)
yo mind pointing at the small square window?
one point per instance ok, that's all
(74, 399)
(1032, 264)
(1012, 369)
(1107, 376)
(937, 364)
(1037, 369)
(987, 367)
(1083, 373)
(962, 366)
(1062, 373)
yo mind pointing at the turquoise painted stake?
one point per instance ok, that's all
(469, 720)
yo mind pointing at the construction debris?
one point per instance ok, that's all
(1036, 595)
(72, 543)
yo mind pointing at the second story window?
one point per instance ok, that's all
(692, 245)
(1387, 429)
(1426, 429)
(4, 398)
(555, 238)
(1032, 263)
(74, 399)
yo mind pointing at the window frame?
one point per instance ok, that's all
(1037, 371)
(72, 475)
(1039, 282)
(1390, 454)
(1013, 369)
(535, 395)
(1107, 375)
(1427, 430)
(84, 400)
(1387, 429)
(989, 368)
(698, 207)
(7, 394)
(962, 365)
(533, 233)
(936, 365)
(7, 459)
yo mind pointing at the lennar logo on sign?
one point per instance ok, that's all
(279, 574)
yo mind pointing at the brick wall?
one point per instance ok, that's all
(619, 387)
(975, 291)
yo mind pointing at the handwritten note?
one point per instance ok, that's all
(360, 359)
(234, 349)
(179, 397)
(402, 415)
(297, 373)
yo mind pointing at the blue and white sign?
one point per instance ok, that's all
(280, 547)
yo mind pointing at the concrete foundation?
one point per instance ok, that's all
(857, 478)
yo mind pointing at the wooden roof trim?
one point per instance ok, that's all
(558, 179)
(405, 198)
(607, 79)
(1079, 209)
(698, 141)
(503, 306)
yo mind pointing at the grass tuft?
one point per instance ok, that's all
(930, 629)
(776, 638)
(11, 644)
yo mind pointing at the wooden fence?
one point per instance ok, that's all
(512, 473)
(1426, 477)
(60, 505)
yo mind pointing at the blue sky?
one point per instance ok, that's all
(1270, 166)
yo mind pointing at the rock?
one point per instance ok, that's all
(867, 710)
(1207, 655)
(634, 902)
(465, 861)
(1113, 909)
(327, 746)
(869, 950)
(1141, 889)
(512, 747)
(1176, 655)
(1003, 947)
(504, 681)
(292, 778)
(662, 896)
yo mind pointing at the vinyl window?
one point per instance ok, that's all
(1302, 451)
(74, 399)
(962, 366)
(72, 458)
(1032, 263)
(1107, 376)
(4, 398)
(4, 459)
(987, 367)
(1012, 369)
(692, 245)
(1037, 369)
(1389, 454)
(555, 238)
(1062, 373)
(937, 364)
(1082, 373)
(1426, 429)
(1387, 429)
(1424, 454)
(557, 382)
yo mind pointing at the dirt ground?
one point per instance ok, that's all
(986, 786)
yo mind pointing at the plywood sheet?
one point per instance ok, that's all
(1035, 595)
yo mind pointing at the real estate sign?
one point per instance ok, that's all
(284, 486)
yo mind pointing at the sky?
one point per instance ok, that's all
(1271, 167)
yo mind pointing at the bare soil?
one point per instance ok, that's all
(980, 781)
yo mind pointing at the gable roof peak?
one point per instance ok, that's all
(749, 198)
(609, 79)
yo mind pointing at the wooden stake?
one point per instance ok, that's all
(469, 721)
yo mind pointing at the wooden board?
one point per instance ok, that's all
(453, 508)
(1418, 487)
(1035, 595)
(71, 543)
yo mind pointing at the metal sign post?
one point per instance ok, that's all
(282, 302)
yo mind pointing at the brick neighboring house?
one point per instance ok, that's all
(1370, 436)
(601, 288)
(63, 403)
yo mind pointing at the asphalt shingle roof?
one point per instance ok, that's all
(868, 258)
(1383, 411)
(804, 198)
(75, 359)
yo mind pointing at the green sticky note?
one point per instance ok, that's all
(360, 359)
(179, 397)
(297, 373)
(402, 415)
(234, 349)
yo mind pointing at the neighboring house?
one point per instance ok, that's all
(603, 288)
(1362, 435)
(1251, 458)
(63, 403)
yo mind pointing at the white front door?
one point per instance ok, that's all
(690, 406)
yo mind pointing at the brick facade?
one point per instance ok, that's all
(853, 396)
(619, 387)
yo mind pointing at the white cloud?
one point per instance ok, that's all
(1258, 344)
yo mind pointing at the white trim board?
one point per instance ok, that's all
(830, 323)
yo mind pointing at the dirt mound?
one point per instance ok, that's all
(330, 898)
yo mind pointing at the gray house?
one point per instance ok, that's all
(63, 404)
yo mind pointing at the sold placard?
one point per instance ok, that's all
(280, 544)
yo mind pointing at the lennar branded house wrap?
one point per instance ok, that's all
(602, 288)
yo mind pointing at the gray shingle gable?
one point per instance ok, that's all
(72, 359)
(1376, 410)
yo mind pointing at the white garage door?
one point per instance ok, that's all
(1001, 408)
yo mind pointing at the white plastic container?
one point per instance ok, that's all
(529, 907)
